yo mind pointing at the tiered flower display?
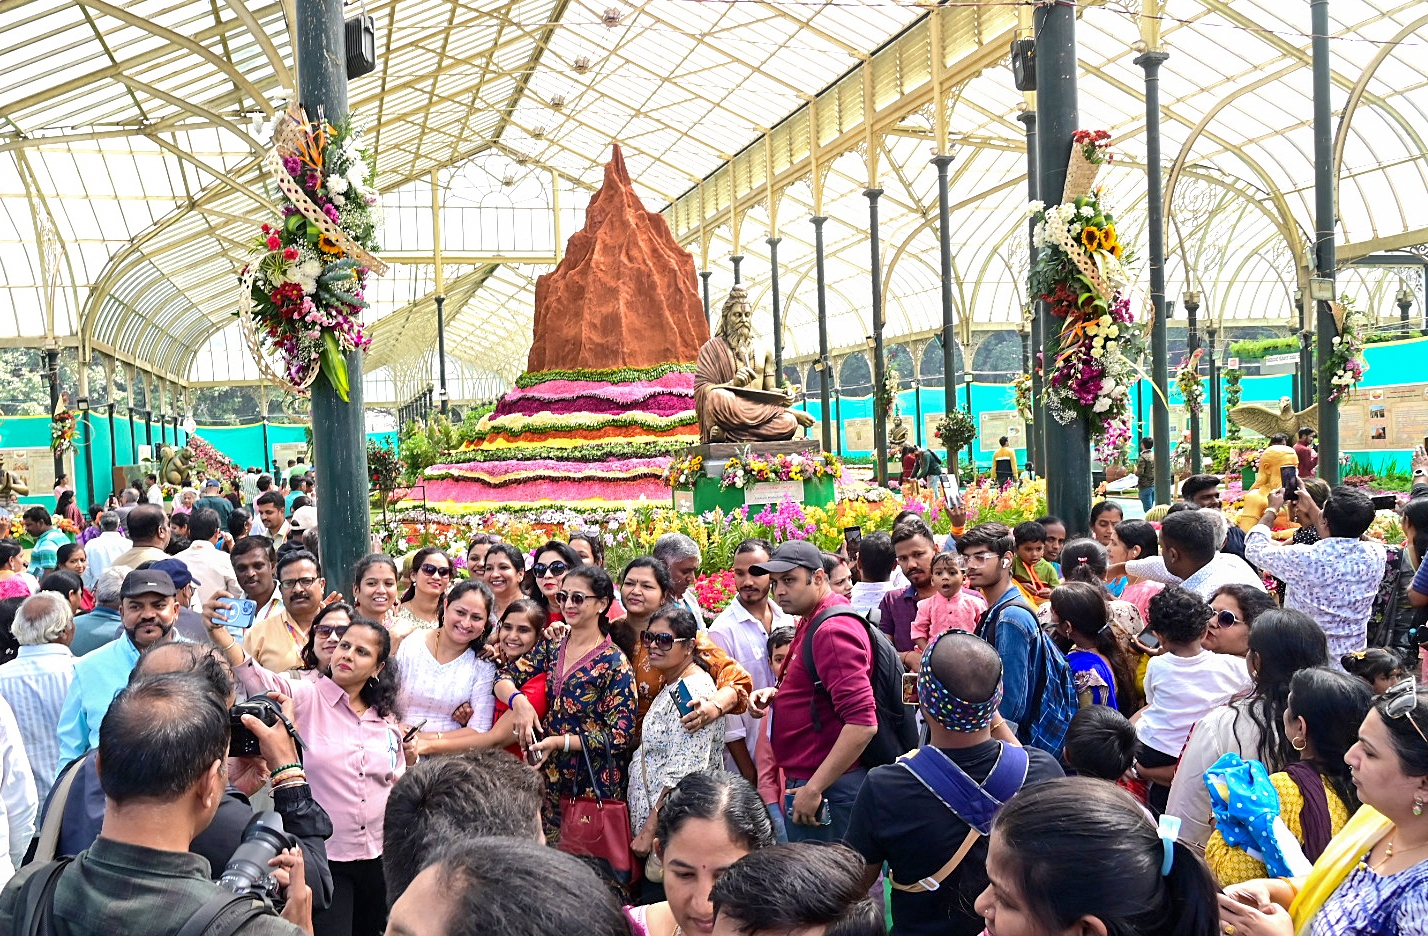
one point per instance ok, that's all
(588, 438)
(1080, 272)
(302, 297)
(213, 462)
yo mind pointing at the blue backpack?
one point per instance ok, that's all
(1051, 702)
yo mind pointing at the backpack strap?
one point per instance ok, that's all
(975, 804)
(48, 841)
(933, 881)
(808, 664)
(34, 910)
(235, 911)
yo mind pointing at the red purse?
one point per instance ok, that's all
(597, 829)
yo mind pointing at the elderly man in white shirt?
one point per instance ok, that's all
(1189, 555)
(1335, 580)
(36, 681)
(104, 548)
(742, 631)
(211, 568)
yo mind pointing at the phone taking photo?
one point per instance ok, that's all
(1289, 480)
(239, 614)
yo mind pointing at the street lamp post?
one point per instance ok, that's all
(1191, 301)
(971, 458)
(1210, 332)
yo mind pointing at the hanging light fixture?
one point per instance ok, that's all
(538, 132)
(582, 64)
(557, 101)
(612, 17)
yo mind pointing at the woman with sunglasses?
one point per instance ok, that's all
(1236, 609)
(322, 639)
(1281, 644)
(421, 606)
(1372, 879)
(347, 716)
(444, 668)
(1316, 792)
(505, 570)
(644, 587)
(374, 588)
(592, 697)
(667, 752)
(552, 561)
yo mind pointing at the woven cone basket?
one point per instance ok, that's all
(1080, 176)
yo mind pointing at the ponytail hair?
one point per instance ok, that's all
(1081, 847)
(1082, 606)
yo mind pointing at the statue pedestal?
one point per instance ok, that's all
(707, 495)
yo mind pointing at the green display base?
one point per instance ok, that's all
(707, 495)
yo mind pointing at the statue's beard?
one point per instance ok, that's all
(739, 335)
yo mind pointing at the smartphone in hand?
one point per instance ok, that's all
(683, 698)
(1289, 480)
(239, 614)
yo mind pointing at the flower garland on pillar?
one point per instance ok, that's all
(1188, 380)
(302, 297)
(1080, 272)
(1346, 365)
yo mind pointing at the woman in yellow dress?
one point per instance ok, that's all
(1316, 793)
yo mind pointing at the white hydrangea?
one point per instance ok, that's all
(337, 185)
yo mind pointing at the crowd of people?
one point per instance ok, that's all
(1157, 728)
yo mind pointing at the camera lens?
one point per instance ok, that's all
(247, 871)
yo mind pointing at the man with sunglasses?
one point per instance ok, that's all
(277, 641)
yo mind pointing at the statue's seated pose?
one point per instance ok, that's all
(738, 401)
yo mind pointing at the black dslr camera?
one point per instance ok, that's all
(244, 743)
(247, 871)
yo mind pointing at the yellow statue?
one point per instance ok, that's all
(1257, 497)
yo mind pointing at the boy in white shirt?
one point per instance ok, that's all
(1181, 686)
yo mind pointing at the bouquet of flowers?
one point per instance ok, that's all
(1346, 365)
(746, 469)
(302, 296)
(957, 429)
(1022, 389)
(684, 471)
(1080, 272)
(1188, 380)
(62, 432)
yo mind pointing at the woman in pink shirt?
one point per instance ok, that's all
(354, 757)
(951, 607)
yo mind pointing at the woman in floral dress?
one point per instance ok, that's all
(591, 690)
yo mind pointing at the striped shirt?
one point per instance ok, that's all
(44, 556)
(35, 684)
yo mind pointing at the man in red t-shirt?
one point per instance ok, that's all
(1304, 448)
(821, 765)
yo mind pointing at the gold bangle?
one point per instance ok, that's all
(232, 642)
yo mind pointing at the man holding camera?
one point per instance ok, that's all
(82, 810)
(163, 752)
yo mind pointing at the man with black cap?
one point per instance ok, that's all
(148, 612)
(818, 732)
(928, 816)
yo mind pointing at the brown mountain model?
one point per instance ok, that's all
(624, 296)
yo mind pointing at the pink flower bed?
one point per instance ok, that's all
(564, 388)
(552, 467)
(657, 402)
(472, 492)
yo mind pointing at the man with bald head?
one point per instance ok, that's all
(928, 816)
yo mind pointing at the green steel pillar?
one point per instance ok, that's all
(339, 431)
(1324, 203)
(1068, 447)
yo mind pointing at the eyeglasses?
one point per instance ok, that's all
(553, 570)
(435, 571)
(1400, 701)
(331, 630)
(662, 641)
(1224, 619)
(306, 581)
(574, 599)
(980, 558)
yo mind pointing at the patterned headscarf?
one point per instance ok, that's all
(950, 712)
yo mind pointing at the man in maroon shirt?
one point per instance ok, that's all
(820, 764)
(1304, 448)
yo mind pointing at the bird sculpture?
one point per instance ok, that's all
(1269, 422)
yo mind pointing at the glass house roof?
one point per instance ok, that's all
(131, 134)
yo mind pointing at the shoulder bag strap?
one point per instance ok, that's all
(808, 664)
(933, 881)
(247, 906)
(48, 842)
(35, 907)
(589, 769)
